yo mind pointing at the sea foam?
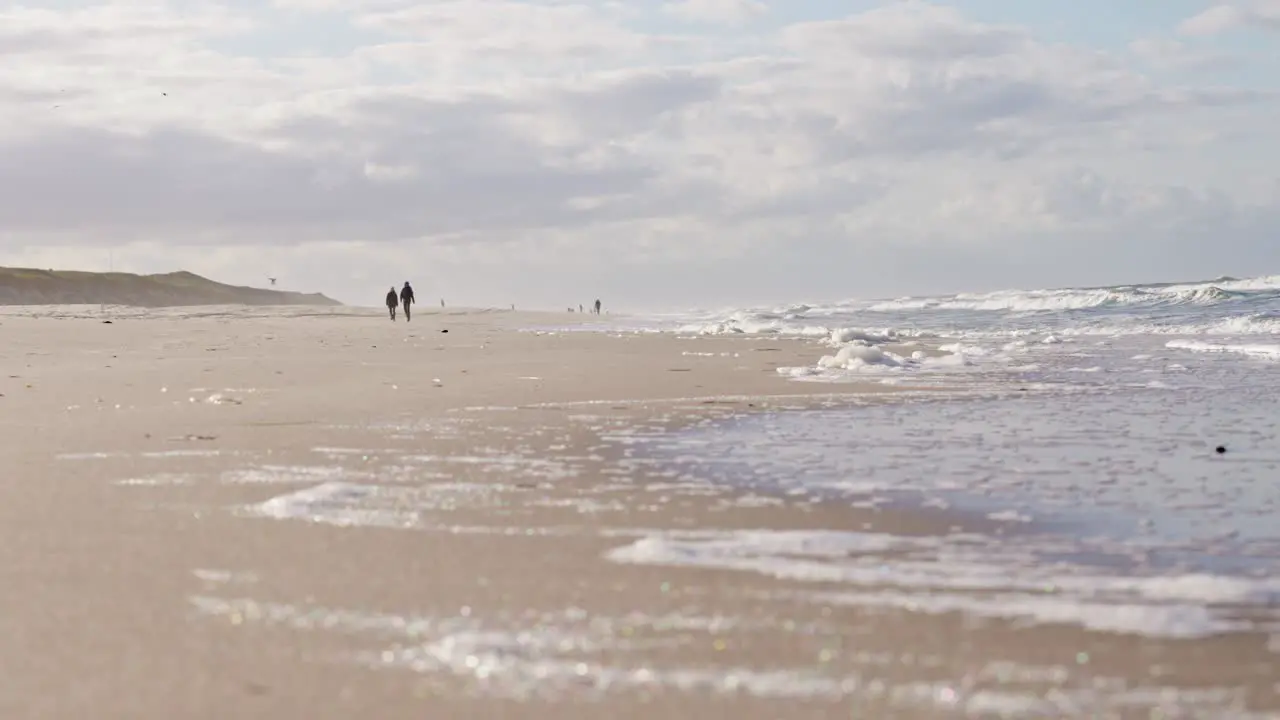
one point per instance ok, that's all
(978, 576)
(1219, 315)
(1270, 352)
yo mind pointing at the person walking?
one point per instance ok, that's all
(392, 301)
(406, 299)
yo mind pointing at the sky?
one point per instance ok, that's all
(655, 154)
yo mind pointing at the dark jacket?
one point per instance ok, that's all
(406, 295)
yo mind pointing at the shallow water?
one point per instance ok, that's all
(522, 487)
(1099, 490)
(1127, 465)
(1094, 453)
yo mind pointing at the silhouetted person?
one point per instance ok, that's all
(597, 306)
(406, 299)
(392, 301)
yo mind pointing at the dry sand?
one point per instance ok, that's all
(137, 582)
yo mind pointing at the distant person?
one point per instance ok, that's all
(392, 302)
(597, 306)
(406, 299)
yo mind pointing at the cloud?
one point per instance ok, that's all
(458, 168)
(1220, 18)
(507, 29)
(519, 148)
(1165, 54)
(726, 12)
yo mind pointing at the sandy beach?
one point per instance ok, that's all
(319, 514)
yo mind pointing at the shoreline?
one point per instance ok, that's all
(387, 519)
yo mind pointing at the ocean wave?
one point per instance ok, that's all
(1223, 306)
(1011, 333)
(1039, 301)
(1252, 324)
(764, 323)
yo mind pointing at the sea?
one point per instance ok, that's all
(1128, 435)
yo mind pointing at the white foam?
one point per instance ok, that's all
(1010, 516)
(841, 336)
(861, 357)
(1184, 621)
(1270, 352)
(750, 546)
(856, 356)
(417, 506)
(223, 577)
(337, 503)
(223, 399)
(158, 480)
(943, 573)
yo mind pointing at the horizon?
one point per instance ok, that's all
(812, 301)
(661, 154)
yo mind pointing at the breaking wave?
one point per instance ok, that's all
(1223, 306)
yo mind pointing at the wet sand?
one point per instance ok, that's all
(439, 510)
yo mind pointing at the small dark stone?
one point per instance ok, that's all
(445, 330)
(1220, 449)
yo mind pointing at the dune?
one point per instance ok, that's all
(29, 286)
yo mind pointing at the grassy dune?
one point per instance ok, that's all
(28, 286)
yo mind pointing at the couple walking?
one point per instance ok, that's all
(405, 298)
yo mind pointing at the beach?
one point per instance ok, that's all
(312, 513)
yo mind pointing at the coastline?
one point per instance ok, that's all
(306, 517)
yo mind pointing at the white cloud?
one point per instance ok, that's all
(1219, 18)
(507, 30)
(728, 12)
(1165, 54)
(519, 148)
